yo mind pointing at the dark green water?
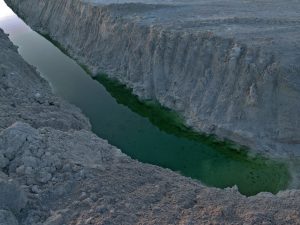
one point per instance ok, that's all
(145, 131)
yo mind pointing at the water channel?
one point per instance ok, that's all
(144, 131)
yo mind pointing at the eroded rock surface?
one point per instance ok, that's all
(7, 218)
(228, 67)
(56, 175)
(29, 98)
(75, 177)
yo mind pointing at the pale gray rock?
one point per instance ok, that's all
(119, 190)
(113, 188)
(12, 197)
(43, 176)
(26, 96)
(230, 68)
(7, 218)
(3, 161)
(55, 219)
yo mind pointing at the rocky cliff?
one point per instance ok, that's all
(53, 170)
(229, 69)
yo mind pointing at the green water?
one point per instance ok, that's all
(145, 130)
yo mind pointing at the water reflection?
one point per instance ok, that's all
(143, 132)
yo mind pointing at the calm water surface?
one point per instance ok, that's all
(144, 132)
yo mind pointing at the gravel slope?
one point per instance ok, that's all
(230, 68)
(53, 170)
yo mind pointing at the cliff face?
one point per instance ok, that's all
(58, 172)
(29, 98)
(220, 66)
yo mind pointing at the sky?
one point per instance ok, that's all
(4, 10)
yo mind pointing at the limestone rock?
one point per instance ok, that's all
(29, 98)
(3, 161)
(118, 189)
(12, 197)
(60, 172)
(7, 218)
(233, 67)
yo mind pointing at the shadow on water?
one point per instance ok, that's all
(163, 118)
(145, 130)
(169, 121)
(204, 157)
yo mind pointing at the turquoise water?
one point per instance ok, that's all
(144, 131)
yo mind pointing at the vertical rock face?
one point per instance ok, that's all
(29, 98)
(218, 65)
(7, 218)
(12, 196)
(65, 174)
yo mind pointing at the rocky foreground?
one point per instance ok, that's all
(54, 170)
(230, 68)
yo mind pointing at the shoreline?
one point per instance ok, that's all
(257, 118)
(55, 172)
(66, 174)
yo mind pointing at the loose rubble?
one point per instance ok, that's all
(54, 170)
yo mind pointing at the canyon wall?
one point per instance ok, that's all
(239, 85)
(54, 170)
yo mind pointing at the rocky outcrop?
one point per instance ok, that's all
(77, 178)
(65, 174)
(29, 98)
(229, 69)
(7, 218)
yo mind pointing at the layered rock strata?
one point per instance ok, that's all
(28, 98)
(229, 68)
(54, 170)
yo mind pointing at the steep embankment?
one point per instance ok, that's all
(53, 170)
(228, 69)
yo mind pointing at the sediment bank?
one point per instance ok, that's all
(58, 172)
(219, 66)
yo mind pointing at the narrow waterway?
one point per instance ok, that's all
(145, 132)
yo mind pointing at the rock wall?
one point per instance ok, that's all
(29, 98)
(53, 170)
(220, 85)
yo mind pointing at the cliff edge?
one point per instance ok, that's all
(53, 170)
(230, 68)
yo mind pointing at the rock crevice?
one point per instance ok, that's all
(239, 84)
(59, 172)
